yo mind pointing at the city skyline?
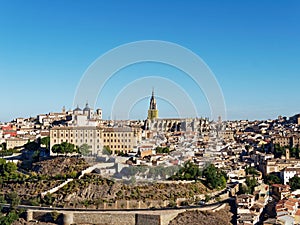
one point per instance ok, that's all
(251, 47)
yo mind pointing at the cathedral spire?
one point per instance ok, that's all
(152, 112)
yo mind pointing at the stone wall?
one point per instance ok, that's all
(142, 219)
(104, 218)
(130, 204)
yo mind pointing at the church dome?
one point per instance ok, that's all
(77, 109)
(87, 108)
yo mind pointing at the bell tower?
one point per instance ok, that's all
(152, 112)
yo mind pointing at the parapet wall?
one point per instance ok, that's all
(104, 218)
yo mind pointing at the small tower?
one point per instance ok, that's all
(152, 112)
(287, 154)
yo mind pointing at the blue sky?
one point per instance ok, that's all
(253, 48)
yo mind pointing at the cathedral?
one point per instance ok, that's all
(153, 123)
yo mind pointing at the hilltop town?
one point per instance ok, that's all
(75, 160)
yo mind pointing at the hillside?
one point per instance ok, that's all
(222, 217)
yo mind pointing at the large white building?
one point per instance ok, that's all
(86, 128)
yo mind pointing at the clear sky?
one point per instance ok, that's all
(253, 48)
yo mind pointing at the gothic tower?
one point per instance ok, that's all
(152, 112)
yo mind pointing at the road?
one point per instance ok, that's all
(40, 208)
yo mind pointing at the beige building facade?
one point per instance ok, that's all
(119, 139)
(12, 143)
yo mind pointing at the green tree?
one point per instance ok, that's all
(13, 199)
(189, 171)
(278, 151)
(160, 150)
(56, 149)
(251, 171)
(32, 146)
(8, 170)
(272, 179)
(215, 178)
(295, 183)
(46, 141)
(9, 218)
(251, 183)
(64, 148)
(85, 150)
(106, 150)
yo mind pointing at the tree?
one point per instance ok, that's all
(32, 146)
(295, 183)
(3, 146)
(160, 150)
(278, 151)
(13, 199)
(7, 170)
(189, 171)
(272, 179)
(84, 149)
(215, 178)
(46, 141)
(251, 184)
(9, 218)
(56, 149)
(106, 150)
(251, 171)
(64, 148)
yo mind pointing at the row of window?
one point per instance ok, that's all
(119, 146)
(76, 135)
(91, 134)
(81, 141)
(117, 135)
(116, 140)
